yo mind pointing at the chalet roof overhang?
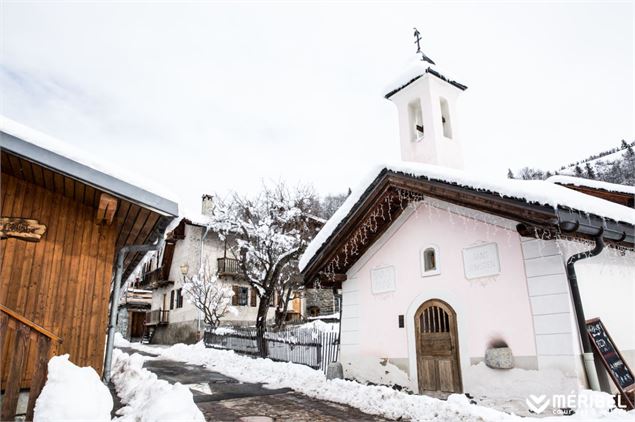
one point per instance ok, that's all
(141, 216)
(396, 190)
(88, 175)
(622, 198)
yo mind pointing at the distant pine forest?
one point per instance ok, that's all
(616, 165)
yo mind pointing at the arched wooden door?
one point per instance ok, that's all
(438, 365)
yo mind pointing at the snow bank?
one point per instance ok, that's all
(595, 184)
(319, 325)
(377, 400)
(120, 341)
(530, 191)
(148, 398)
(224, 330)
(72, 393)
(516, 382)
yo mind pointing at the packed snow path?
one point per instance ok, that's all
(222, 398)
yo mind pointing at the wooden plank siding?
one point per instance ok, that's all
(62, 282)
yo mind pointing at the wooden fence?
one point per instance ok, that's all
(18, 333)
(309, 347)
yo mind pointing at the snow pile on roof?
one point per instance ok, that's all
(530, 191)
(414, 68)
(47, 142)
(146, 397)
(589, 183)
(72, 393)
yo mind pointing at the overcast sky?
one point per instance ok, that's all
(208, 97)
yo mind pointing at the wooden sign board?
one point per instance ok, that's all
(612, 359)
(21, 228)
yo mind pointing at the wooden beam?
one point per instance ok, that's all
(30, 324)
(107, 208)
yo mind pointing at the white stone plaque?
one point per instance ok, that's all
(383, 279)
(481, 261)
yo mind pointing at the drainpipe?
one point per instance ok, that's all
(589, 362)
(114, 303)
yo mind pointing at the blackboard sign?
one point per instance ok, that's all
(611, 356)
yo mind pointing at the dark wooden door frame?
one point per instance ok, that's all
(443, 324)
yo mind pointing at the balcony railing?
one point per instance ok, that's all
(136, 297)
(155, 278)
(157, 317)
(228, 266)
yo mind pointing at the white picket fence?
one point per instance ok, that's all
(309, 347)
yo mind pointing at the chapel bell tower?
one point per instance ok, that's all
(426, 105)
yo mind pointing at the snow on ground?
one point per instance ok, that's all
(531, 191)
(376, 400)
(146, 397)
(120, 341)
(72, 393)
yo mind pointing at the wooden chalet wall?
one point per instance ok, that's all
(61, 282)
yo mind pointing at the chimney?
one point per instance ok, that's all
(207, 204)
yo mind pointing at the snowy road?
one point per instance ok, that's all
(222, 398)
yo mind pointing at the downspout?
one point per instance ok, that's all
(200, 266)
(589, 362)
(114, 303)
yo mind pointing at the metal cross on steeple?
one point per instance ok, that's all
(424, 58)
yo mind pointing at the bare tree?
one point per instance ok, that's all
(270, 232)
(209, 295)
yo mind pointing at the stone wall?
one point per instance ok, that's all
(122, 322)
(177, 332)
(323, 299)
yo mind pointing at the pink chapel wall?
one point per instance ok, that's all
(488, 308)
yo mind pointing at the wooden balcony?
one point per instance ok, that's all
(137, 297)
(157, 317)
(229, 267)
(155, 278)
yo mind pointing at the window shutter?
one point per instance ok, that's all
(254, 293)
(172, 299)
(236, 290)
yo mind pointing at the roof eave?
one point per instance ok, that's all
(88, 175)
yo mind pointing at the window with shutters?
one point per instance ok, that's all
(243, 296)
(179, 298)
(236, 290)
(254, 295)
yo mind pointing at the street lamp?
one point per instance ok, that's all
(184, 269)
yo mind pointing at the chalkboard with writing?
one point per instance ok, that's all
(611, 356)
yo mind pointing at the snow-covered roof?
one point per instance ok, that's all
(594, 184)
(413, 71)
(58, 155)
(530, 191)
